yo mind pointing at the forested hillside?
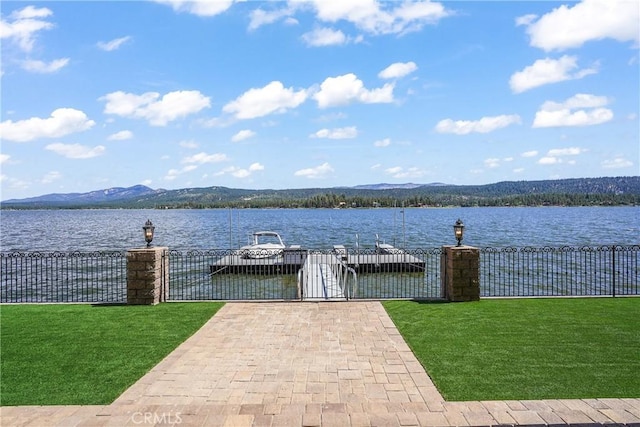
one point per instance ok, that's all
(565, 192)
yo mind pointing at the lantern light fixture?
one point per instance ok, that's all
(458, 230)
(148, 232)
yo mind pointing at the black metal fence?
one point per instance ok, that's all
(381, 274)
(229, 275)
(218, 274)
(560, 271)
(63, 277)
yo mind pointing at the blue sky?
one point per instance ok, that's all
(299, 94)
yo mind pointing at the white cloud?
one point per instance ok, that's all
(343, 90)
(42, 67)
(241, 172)
(589, 112)
(554, 156)
(242, 135)
(260, 17)
(63, 121)
(174, 173)
(254, 167)
(338, 133)
(580, 100)
(273, 98)
(401, 173)
(571, 151)
(570, 27)
(188, 144)
(51, 177)
(526, 19)
(338, 115)
(202, 158)
(315, 172)
(13, 183)
(531, 153)
(548, 160)
(149, 106)
(546, 71)
(393, 170)
(397, 70)
(484, 125)
(4, 158)
(368, 16)
(492, 163)
(76, 151)
(617, 163)
(325, 37)
(113, 44)
(413, 172)
(198, 7)
(121, 136)
(382, 142)
(24, 25)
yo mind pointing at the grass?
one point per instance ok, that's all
(87, 355)
(489, 350)
(527, 348)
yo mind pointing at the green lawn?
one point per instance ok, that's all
(526, 348)
(83, 354)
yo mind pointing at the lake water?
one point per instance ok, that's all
(88, 230)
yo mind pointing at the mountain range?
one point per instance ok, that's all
(605, 190)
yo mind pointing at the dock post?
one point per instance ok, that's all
(147, 275)
(460, 273)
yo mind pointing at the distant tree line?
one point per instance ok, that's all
(605, 191)
(331, 200)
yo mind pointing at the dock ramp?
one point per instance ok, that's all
(324, 276)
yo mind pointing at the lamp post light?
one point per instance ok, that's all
(458, 230)
(148, 232)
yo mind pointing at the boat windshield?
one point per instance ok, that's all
(267, 238)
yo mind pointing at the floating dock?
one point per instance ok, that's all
(288, 261)
(291, 259)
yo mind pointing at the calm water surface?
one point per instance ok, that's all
(87, 230)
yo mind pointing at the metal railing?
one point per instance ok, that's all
(560, 271)
(327, 276)
(42, 277)
(230, 275)
(382, 273)
(222, 274)
(398, 273)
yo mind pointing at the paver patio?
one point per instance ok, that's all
(306, 364)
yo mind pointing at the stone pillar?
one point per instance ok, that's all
(460, 273)
(147, 275)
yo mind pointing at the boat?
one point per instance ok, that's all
(263, 244)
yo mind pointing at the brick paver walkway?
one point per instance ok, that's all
(305, 364)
